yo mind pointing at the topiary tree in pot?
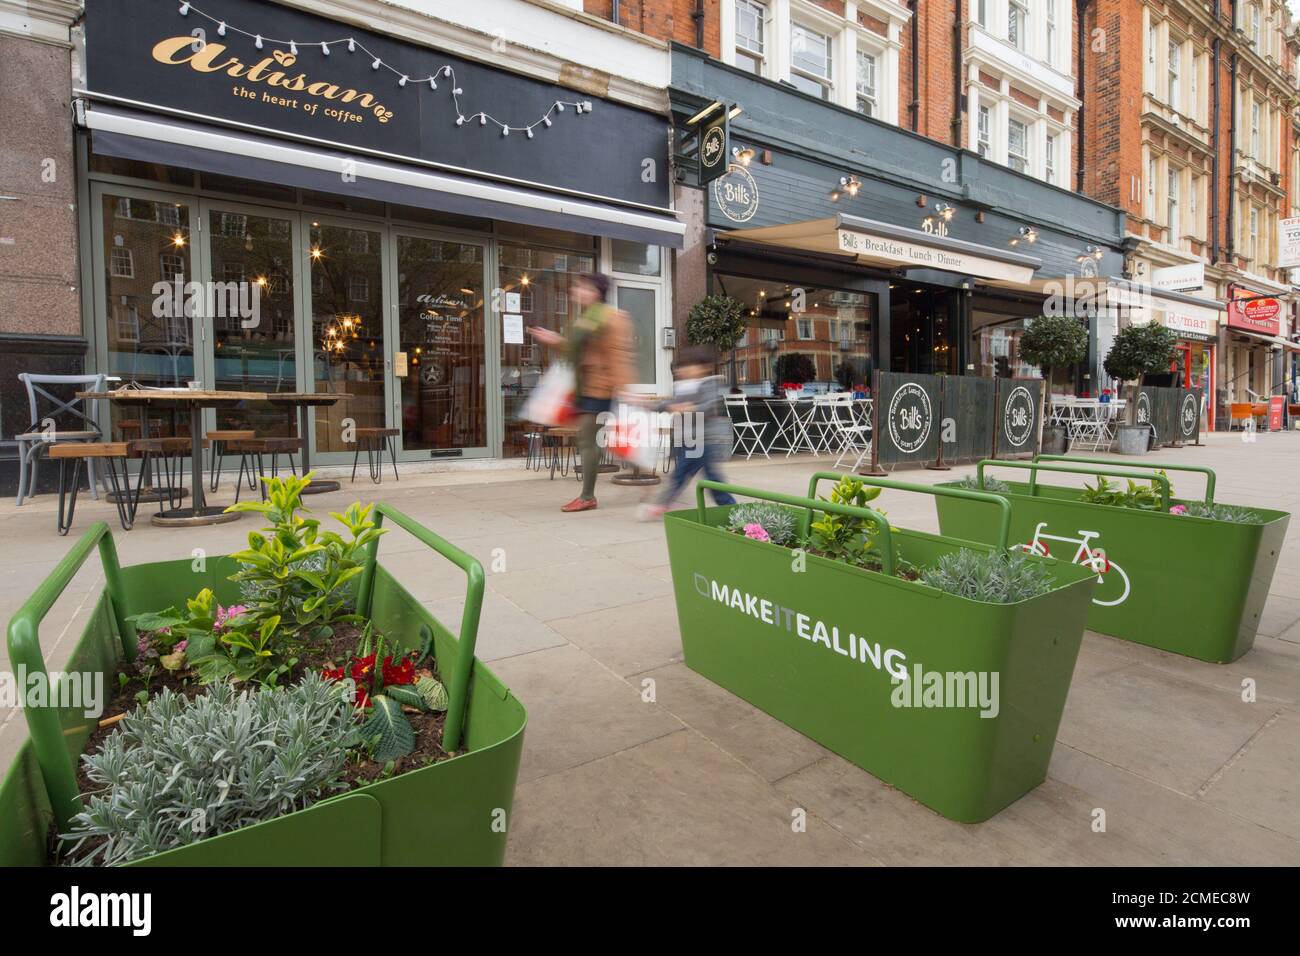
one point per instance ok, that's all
(1137, 351)
(1054, 341)
(717, 320)
(793, 367)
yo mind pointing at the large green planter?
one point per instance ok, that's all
(454, 813)
(819, 649)
(1192, 586)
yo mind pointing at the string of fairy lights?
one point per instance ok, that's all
(445, 73)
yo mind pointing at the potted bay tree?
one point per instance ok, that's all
(1054, 341)
(1138, 350)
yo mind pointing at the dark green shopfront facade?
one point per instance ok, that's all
(962, 252)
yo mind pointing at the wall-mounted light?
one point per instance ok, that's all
(1025, 234)
(1094, 252)
(945, 211)
(742, 155)
(850, 184)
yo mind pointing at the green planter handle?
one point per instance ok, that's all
(1197, 469)
(1034, 467)
(458, 685)
(1004, 507)
(58, 769)
(812, 504)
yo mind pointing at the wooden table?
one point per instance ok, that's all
(199, 512)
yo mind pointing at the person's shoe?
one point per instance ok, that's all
(651, 512)
(579, 504)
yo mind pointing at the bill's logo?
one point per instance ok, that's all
(271, 70)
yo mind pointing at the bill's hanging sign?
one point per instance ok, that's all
(283, 72)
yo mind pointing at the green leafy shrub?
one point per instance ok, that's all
(971, 483)
(178, 770)
(991, 577)
(794, 367)
(1140, 350)
(1054, 341)
(1141, 497)
(846, 537)
(717, 320)
(780, 523)
(1216, 512)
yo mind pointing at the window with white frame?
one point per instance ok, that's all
(1151, 188)
(121, 264)
(811, 62)
(805, 328)
(1194, 207)
(126, 322)
(983, 132)
(1254, 25)
(1150, 64)
(1017, 145)
(868, 100)
(1171, 206)
(1194, 98)
(1175, 77)
(171, 266)
(982, 13)
(750, 35)
(1051, 32)
(1254, 132)
(233, 225)
(1252, 236)
(1017, 24)
(358, 289)
(1049, 158)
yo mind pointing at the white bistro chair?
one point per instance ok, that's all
(849, 430)
(748, 433)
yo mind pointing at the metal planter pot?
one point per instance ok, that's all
(437, 815)
(1193, 586)
(819, 649)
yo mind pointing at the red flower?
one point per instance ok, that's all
(332, 673)
(403, 673)
(363, 668)
(362, 699)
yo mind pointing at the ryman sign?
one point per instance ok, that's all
(920, 255)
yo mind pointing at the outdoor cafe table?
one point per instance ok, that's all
(199, 512)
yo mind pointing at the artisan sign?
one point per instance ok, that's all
(920, 255)
(326, 89)
(1260, 315)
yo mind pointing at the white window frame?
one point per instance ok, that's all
(761, 12)
(1018, 17)
(984, 131)
(799, 327)
(1252, 236)
(662, 286)
(163, 258)
(1171, 205)
(1173, 91)
(1051, 32)
(1151, 189)
(1049, 157)
(1027, 157)
(869, 95)
(827, 81)
(1255, 137)
(115, 266)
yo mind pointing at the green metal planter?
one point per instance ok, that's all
(1193, 586)
(844, 655)
(452, 813)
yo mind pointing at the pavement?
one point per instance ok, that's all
(630, 758)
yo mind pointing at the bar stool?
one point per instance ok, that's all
(169, 457)
(374, 441)
(220, 438)
(250, 452)
(110, 454)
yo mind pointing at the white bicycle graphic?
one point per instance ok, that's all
(1088, 556)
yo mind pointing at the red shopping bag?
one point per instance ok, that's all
(551, 402)
(636, 437)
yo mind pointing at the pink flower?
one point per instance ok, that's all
(1178, 510)
(757, 532)
(224, 614)
(181, 645)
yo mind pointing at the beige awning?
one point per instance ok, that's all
(882, 244)
(1276, 341)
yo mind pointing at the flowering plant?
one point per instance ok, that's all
(791, 386)
(757, 532)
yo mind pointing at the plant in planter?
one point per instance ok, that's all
(779, 523)
(716, 320)
(1054, 341)
(1220, 512)
(971, 483)
(1138, 350)
(1145, 497)
(794, 369)
(821, 640)
(180, 769)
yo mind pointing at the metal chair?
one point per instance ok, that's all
(44, 431)
(747, 432)
(849, 430)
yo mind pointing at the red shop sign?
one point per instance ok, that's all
(1256, 315)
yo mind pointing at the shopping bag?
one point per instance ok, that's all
(551, 402)
(636, 436)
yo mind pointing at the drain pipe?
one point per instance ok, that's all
(915, 106)
(1215, 136)
(698, 16)
(1082, 45)
(1232, 162)
(958, 98)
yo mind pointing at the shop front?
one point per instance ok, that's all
(338, 211)
(1255, 349)
(854, 246)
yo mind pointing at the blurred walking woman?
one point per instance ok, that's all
(599, 347)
